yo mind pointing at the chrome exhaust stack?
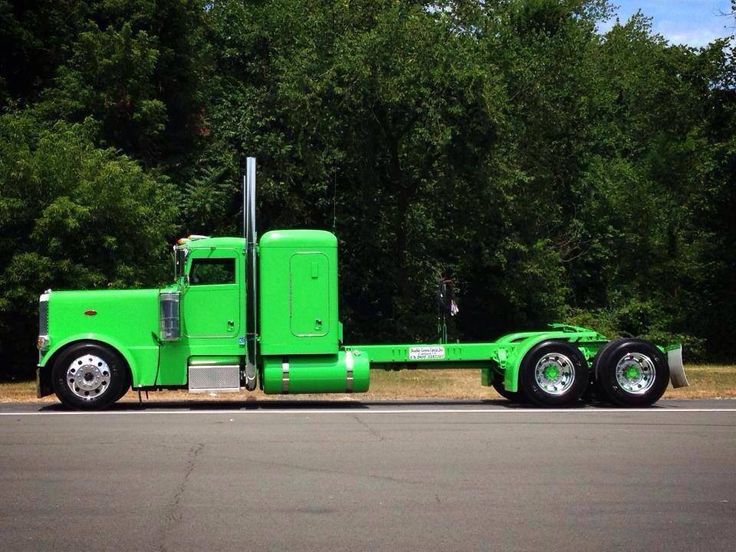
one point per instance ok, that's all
(251, 239)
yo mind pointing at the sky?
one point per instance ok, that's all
(692, 22)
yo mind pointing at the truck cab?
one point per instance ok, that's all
(196, 332)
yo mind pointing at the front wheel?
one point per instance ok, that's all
(89, 376)
(631, 372)
(554, 373)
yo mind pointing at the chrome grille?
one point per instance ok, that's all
(43, 316)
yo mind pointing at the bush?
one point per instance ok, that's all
(71, 216)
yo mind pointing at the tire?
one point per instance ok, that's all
(125, 386)
(513, 396)
(631, 372)
(89, 376)
(554, 373)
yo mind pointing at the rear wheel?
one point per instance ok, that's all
(631, 372)
(554, 373)
(89, 376)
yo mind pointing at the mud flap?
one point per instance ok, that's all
(677, 368)
(43, 385)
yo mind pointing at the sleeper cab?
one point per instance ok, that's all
(298, 293)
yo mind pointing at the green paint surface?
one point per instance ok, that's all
(125, 319)
(298, 293)
(317, 373)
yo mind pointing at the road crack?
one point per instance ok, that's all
(172, 515)
(371, 430)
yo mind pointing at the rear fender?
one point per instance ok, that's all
(521, 348)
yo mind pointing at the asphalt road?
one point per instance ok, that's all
(368, 476)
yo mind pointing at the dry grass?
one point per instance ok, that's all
(24, 391)
(706, 381)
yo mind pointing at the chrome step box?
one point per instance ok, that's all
(208, 377)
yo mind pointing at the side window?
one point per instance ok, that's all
(212, 271)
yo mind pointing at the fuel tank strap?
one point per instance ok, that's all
(349, 371)
(285, 375)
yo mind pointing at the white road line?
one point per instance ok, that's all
(303, 411)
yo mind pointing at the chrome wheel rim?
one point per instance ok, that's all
(635, 373)
(554, 373)
(88, 377)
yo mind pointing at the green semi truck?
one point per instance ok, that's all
(244, 313)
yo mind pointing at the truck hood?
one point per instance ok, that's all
(127, 315)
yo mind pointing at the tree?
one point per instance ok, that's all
(35, 39)
(555, 172)
(72, 216)
(136, 66)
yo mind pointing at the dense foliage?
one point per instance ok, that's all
(554, 172)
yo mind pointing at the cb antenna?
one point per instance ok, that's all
(334, 201)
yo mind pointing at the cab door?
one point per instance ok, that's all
(212, 303)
